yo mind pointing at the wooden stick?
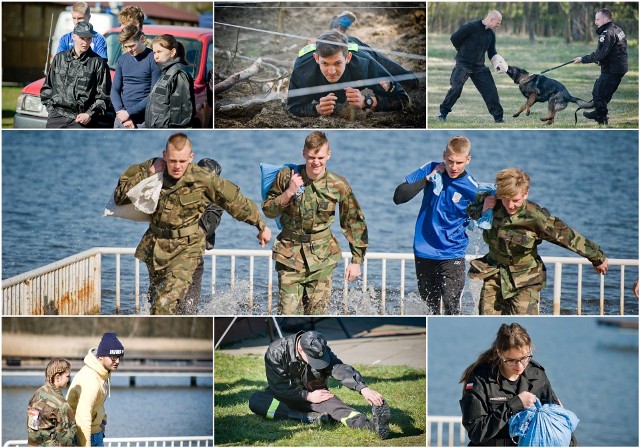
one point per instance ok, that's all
(238, 77)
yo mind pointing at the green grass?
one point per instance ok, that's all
(9, 98)
(471, 112)
(237, 377)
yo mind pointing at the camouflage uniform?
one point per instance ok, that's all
(174, 243)
(306, 252)
(512, 271)
(50, 419)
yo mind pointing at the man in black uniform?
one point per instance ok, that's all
(76, 88)
(297, 368)
(333, 60)
(472, 41)
(611, 55)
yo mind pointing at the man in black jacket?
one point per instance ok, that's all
(76, 88)
(611, 55)
(330, 73)
(297, 368)
(472, 41)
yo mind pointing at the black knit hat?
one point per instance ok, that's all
(315, 347)
(110, 346)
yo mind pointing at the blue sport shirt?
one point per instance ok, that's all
(440, 232)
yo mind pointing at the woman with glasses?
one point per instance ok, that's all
(500, 383)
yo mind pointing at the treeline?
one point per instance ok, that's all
(147, 327)
(571, 21)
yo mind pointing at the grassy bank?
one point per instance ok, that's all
(9, 98)
(237, 377)
(471, 112)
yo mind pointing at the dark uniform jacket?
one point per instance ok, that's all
(77, 85)
(172, 102)
(306, 73)
(290, 378)
(489, 400)
(513, 245)
(472, 41)
(611, 53)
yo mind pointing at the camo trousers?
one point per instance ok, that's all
(169, 287)
(302, 293)
(526, 300)
(265, 404)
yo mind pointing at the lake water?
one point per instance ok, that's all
(156, 407)
(55, 185)
(593, 369)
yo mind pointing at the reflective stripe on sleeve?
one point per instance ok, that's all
(272, 408)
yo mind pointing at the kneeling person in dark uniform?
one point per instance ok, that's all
(76, 88)
(297, 368)
(333, 60)
(611, 56)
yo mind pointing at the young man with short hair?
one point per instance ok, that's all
(332, 60)
(135, 76)
(513, 273)
(306, 252)
(76, 88)
(80, 12)
(131, 15)
(440, 239)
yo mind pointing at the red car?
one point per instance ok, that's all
(30, 113)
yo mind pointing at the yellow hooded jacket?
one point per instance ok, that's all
(87, 394)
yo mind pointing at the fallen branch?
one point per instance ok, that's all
(251, 107)
(238, 77)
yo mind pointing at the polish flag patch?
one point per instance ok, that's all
(469, 386)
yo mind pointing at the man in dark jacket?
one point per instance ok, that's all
(297, 368)
(472, 41)
(330, 73)
(611, 55)
(76, 88)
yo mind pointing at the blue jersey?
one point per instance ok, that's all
(440, 232)
(98, 44)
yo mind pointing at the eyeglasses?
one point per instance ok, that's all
(514, 362)
(115, 358)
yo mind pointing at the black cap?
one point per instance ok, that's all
(84, 29)
(315, 347)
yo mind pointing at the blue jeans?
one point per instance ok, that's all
(97, 439)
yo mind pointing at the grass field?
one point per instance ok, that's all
(471, 112)
(9, 98)
(237, 377)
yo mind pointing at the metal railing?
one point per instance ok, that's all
(141, 442)
(74, 285)
(448, 431)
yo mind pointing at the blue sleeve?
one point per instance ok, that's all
(100, 46)
(116, 88)
(420, 173)
(63, 44)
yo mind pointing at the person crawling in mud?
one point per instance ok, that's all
(329, 76)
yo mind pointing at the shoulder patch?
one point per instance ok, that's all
(307, 49)
(602, 38)
(469, 386)
(352, 47)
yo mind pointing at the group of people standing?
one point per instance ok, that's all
(151, 88)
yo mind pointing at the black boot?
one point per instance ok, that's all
(590, 115)
(381, 417)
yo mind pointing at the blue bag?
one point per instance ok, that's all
(268, 175)
(487, 216)
(543, 425)
(421, 173)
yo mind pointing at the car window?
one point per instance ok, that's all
(192, 47)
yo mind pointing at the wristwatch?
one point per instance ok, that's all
(368, 102)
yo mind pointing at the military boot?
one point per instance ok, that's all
(381, 417)
(590, 115)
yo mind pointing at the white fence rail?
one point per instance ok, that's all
(446, 431)
(74, 285)
(141, 442)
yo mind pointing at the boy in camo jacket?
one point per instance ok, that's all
(512, 271)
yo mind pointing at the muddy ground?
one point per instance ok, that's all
(389, 26)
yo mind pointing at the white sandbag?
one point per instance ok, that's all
(144, 200)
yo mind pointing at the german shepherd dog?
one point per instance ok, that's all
(539, 88)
